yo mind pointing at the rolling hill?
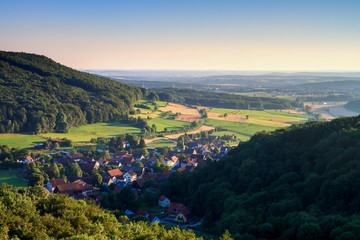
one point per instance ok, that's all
(39, 95)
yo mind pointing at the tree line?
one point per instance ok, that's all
(223, 100)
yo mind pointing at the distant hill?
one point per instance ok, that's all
(346, 86)
(301, 182)
(40, 95)
(223, 100)
(353, 106)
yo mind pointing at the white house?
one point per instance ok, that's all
(130, 176)
(164, 201)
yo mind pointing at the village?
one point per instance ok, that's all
(104, 176)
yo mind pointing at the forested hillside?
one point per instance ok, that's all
(28, 213)
(223, 100)
(353, 106)
(39, 95)
(301, 182)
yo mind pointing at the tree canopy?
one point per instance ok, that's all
(300, 182)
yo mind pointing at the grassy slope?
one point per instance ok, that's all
(263, 115)
(238, 127)
(161, 143)
(162, 123)
(8, 176)
(85, 133)
(19, 140)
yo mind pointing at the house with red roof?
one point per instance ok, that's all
(179, 212)
(53, 183)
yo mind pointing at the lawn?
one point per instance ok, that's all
(9, 177)
(162, 123)
(19, 140)
(247, 129)
(161, 143)
(84, 133)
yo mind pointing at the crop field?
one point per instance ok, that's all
(247, 129)
(9, 177)
(275, 118)
(84, 133)
(162, 123)
(19, 140)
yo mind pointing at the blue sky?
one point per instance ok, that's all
(187, 35)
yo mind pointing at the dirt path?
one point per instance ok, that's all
(174, 137)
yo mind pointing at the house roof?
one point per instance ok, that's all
(29, 158)
(162, 198)
(151, 217)
(89, 166)
(69, 188)
(115, 172)
(57, 181)
(128, 159)
(176, 208)
(141, 212)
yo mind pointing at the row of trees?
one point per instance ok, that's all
(223, 100)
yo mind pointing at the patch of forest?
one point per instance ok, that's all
(223, 100)
(301, 182)
(39, 95)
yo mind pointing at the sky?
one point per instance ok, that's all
(256, 35)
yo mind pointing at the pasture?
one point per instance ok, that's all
(85, 133)
(19, 140)
(247, 129)
(9, 177)
(162, 123)
(161, 143)
(274, 118)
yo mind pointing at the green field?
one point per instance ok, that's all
(162, 123)
(9, 177)
(247, 129)
(161, 143)
(238, 135)
(276, 118)
(19, 140)
(84, 133)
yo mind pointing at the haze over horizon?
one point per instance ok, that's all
(199, 35)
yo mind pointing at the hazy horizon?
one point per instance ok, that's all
(259, 35)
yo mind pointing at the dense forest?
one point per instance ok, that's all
(29, 213)
(301, 182)
(353, 106)
(223, 100)
(39, 95)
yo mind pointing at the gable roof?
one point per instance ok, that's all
(115, 172)
(162, 198)
(29, 158)
(175, 208)
(57, 181)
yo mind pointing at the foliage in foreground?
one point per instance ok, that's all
(29, 213)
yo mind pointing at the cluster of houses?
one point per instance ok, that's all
(122, 170)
